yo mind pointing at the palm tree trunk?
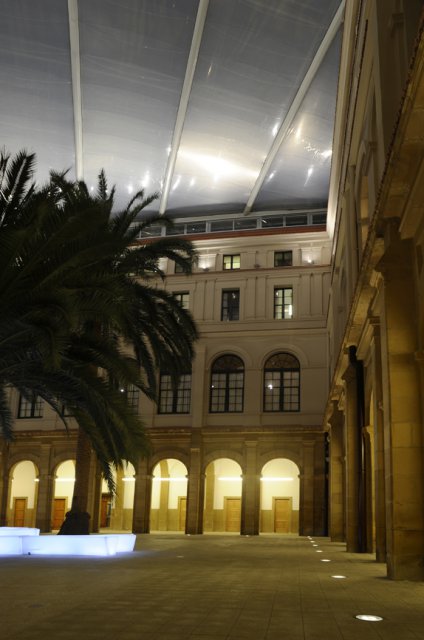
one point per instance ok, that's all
(77, 519)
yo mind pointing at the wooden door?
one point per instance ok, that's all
(282, 515)
(233, 514)
(182, 513)
(19, 508)
(105, 510)
(59, 510)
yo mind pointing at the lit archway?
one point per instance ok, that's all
(223, 490)
(116, 511)
(279, 497)
(63, 492)
(23, 495)
(169, 496)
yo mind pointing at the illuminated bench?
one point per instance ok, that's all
(52, 545)
(19, 531)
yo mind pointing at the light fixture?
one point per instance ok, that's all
(318, 551)
(126, 479)
(325, 560)
(230, 478)
(170, 479)
(271, 479)
(315, 545)
(339, 577)
(369, 618)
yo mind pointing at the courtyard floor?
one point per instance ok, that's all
(211, 587)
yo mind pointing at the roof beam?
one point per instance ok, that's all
(185, 95)
(295, 105)
(76, 85)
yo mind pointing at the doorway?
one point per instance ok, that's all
(282, 515)
(19, 509)
(232, 514)
(59, 510)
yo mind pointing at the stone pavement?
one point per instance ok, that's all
(211, 587)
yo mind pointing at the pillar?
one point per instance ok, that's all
(142, 498)
(353, 466)
(403, 429)
(306, 515)
(4, 484)
(378, 430)
(195, 490)
(250, 492)
(336, 485)
(45, 491)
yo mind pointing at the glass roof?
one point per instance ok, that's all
(204, 102)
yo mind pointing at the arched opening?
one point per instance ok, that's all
(223, 496)
(279, 497)
(23, 495)
(169, 496)
(63, 492)
(116, 512)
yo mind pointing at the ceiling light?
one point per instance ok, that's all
(369, 618)
(318, 550)
(270, 479)
(339, 577)
(325, 560)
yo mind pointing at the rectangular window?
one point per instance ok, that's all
(283, 258)
(183, 298)
(231, 262)
(282, 391)
(283, 303)
(230, 304)
(178, 268)
(30, 408)
(175, 400)
(227, 392)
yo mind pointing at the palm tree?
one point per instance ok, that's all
(82, 313)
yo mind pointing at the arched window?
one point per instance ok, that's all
(282, 383)
(227, 385)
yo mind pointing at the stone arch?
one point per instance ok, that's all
(286, 348)
(229, 349)
(169, 495)
(22, 493)
(223, 495)
(166, 453)
(279, 496)
(294, 455)
(217, 454)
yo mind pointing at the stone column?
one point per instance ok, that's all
(306, 515)
(142, 498)
(403, 426)
(250, 492)
(95, 496)
(43, 519)
(195, 490)
(320, 511)
(4, 484)
(336, 485)
(378, 429)
(117, 515)
(368, 439)
(353, 467)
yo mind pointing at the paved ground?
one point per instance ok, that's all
(176, 587)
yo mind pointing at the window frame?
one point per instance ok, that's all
(231, 266)
(280, 304)
(36, 405)
(228, 310)
(178, 295)
(229, 376)
(287, 258)
(179, 396)
(286, 398)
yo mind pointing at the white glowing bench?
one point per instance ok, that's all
(19, 531)
(51, 545)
